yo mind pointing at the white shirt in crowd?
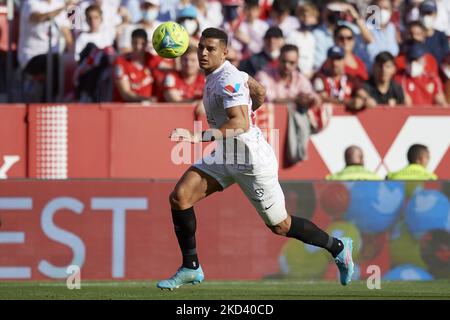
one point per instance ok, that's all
(306, 44)
(288, 25)
(213, 17)
(101, 39)
(442, 22)
(111, 18)
(34, 37)
(256, 31)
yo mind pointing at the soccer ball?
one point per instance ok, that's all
(170, 40)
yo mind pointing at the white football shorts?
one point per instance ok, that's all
(255, 170)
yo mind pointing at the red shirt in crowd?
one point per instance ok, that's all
(431, 65)
(421, 89)
(339, 88)
(190, 91)
(359, 72)
(141, 77)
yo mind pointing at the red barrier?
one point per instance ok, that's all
(13, 141)
(69, 141)
(129, 141)
(140, 144)
(123, 230)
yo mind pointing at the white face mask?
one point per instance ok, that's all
(150, 15)
(275, 54)
(385, 16)
(416, 69)
(428, 21)
(190, 25)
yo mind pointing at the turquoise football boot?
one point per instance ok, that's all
(182, 277)
(344, 261)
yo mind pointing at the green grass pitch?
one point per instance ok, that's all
(226, 290)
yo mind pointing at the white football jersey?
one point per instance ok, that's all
(226, 87)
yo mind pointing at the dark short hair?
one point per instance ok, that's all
(281, 6)
(289, 47)
(139, 33)
(273, 32)
(415, 152)
(342, 27)
(383, 57)
(415, 23)
(93, 7)
(252, 3)
(216, 33)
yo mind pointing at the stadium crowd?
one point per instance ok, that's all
(357, 53)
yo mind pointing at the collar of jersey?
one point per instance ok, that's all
(218, 69)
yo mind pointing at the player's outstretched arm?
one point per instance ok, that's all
(257, 93)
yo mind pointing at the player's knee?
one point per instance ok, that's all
(179, 199)
(282, 228)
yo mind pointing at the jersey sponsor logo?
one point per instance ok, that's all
(233, 89)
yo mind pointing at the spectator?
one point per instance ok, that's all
(135, 71)
(273, 41)
(134, 9)
(384, 35)
(303, 38)
(280, 17)
(187, 84)
(418, 158)
(442, 22)
(149, 22)
(233, 17)
(411, 11)
(110, 12)
(285, 83)
(436, 41)
(100, 37)
(354, 167)
(332, 83)
(93, 76)
(334, 15)
(381, 86)
(252, 29)
(209, 13)
(169, 8)
(420, 87)
(415, 33)
(187, 17)
(354, 66)
(36, 17)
